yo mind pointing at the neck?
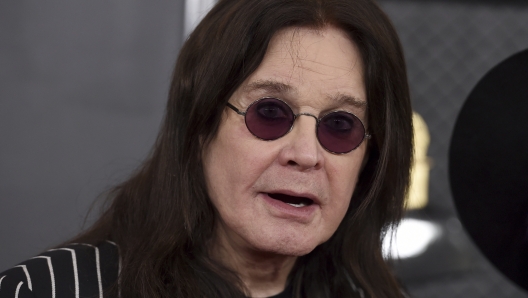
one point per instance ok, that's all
(264, 274)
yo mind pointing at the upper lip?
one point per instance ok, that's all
(310, 196)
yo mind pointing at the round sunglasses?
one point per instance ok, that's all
(269, 118)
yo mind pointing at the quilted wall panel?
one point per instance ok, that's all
(449, 46)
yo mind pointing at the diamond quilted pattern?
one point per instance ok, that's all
(449, 46)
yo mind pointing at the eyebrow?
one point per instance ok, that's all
(350, 100)
(270, 86)
(278, 87)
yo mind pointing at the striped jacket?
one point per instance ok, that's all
(76, 270)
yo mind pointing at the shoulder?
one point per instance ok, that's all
(75, 270)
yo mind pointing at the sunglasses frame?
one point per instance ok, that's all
(366, 135)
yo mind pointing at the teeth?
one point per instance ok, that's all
(297, 205)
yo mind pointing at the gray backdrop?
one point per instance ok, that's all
(83, 86)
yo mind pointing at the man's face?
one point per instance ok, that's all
(252, 182)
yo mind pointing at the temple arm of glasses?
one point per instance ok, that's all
(236, 110)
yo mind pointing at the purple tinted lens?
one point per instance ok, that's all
(340, 132)
(269, 118)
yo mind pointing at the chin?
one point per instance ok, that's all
(288, 246)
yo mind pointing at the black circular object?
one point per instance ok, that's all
(488, 166)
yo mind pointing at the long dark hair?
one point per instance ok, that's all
(161, 217)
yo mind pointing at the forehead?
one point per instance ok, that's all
(302, 63)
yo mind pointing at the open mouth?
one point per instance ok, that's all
(291, 200)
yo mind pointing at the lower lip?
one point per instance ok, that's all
(287, 211)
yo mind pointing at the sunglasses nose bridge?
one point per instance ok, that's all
(296, 116)
(307, 114)
(303, 147)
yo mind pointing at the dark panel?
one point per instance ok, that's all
(449, 46)
(477, 2)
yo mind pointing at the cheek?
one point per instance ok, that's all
(232, 165)
(343, 176)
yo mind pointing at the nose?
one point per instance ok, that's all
(302, 149)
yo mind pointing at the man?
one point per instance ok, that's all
(284, 156)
